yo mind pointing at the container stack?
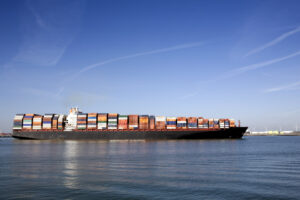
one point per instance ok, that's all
(123, 122)
(211, 123)
(160, 122)
(47, 121)
(227, 123)
(27, 121)
(205, 123)
(92, 121)
(216, 123)
(143, 122)
(192, 122)
(18, 121)
(81, 121)
(171, 122)
(37, 122)
(232, 123)
(181, 122)
(222, 123)
(133, 122)
(200, 122)
(55, 122)
(60, 121)
(102, 120)
(112, 121)
(152, 122)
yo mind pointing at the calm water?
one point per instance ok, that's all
(252, 168)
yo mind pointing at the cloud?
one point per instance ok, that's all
(48, 28)
(41, 93)
(274, 42)
(266, 63)
(290, 86)
(244, 69)
(157, 51)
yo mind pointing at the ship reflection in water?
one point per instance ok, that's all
(253, 168)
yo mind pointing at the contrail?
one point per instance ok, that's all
(241, 70)
(266, 63)
(284, 87)
(157, 51)
(274, 42)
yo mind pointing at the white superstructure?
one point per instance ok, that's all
(71, 122)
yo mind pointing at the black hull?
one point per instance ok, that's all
(236, 132)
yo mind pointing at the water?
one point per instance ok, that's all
(252, 168)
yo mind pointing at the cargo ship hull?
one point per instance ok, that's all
(234, 132)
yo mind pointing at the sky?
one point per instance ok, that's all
(216, 59)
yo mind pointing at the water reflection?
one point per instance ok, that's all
(70, 178)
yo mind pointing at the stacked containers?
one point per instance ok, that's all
(160, 122)
(27, 121)
(211, 123)
(60, 122)
(222, 123)
(37, 122)
(143, 122)
(171, 122)
(205, 123)
(47, 121)
(216, 123)
(123, 122)
(192, 122)
(133, 121)
(112, 121)
(18, 122)
(227, 123)
(55, 122)
(92, 121)
(232, 123)
(102, 120)
(200, 122)
(181, 122)
(152, 122)
(81, 121)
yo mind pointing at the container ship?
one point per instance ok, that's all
(112, 126)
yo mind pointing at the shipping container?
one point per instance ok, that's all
(27, 121)
(152, 122)
(192, 122)
(102, 121)
(171, 122)
(123, 122)
(18, 122)
(133, 122)
(47, 121)
(143, 122)
(82, 121)
(232, 123)
(112, 121)
(181, 122)
(61, 120)
(92, 121)
(160, 122)
(37, 122)
(55, 122)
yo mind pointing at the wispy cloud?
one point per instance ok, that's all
(274, 42)
(290, 86)
(157, 51)
(36, 15)
(266, 63)
(41, 93)
(244, 69)
(47, 31)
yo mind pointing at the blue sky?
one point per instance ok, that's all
(236, 59)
